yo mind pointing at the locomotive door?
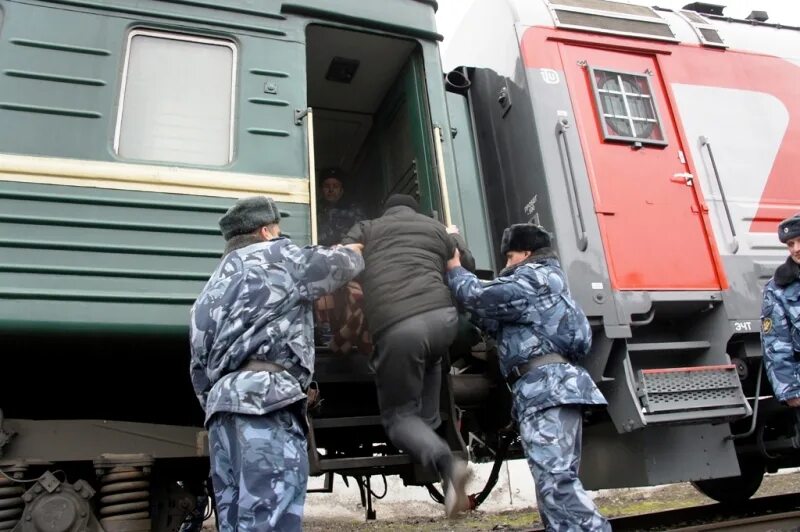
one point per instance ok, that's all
(650, 216)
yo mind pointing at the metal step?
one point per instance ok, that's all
(342, 464)
(701, 393)
(340, 422)
(353, 421)
(668, 346)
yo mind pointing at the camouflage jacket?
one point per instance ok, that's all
(335, 221)
(258, 305)
(780, 334)
(525, 310)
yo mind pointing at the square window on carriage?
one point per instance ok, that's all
(176, 103)
(626, 107)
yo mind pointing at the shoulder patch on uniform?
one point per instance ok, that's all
(766, 325)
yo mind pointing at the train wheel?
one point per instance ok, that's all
(733, 490)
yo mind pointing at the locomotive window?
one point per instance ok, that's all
(626, 107)
(176, 103)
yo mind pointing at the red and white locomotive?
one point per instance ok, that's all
(661, 147)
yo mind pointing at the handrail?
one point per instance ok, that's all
(312, 176)
(437, 137)
(572, 187)
(705, 142)
(647, 318)
(756, 399)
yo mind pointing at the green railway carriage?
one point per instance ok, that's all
(126, 130)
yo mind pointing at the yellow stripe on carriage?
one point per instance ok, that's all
(150, 178)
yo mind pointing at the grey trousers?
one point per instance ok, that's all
(408, 375)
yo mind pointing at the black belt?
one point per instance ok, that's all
(521, 369)
(265, 365)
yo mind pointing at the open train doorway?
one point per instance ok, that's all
(372, 130)
(371, 123)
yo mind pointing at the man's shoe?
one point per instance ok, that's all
(455, 497)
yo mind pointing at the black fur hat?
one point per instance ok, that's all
(396, 200)
(247, 215)
(789, 228)
(524, 237)
(332, 172)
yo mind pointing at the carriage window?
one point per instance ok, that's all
(176, 103)
(626, 107)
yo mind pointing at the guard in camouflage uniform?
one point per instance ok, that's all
(541, 335)
(780, 319)
(252, 361)
(336, 214)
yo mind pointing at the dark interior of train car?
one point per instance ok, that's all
(370, 116)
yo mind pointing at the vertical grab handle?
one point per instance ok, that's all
(312, 175)
(704, 142)
(437, 138)
(572, 188)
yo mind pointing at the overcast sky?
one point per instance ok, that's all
(779, 11)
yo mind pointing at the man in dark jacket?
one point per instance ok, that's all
(412, 321)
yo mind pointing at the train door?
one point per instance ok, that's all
(402, 125)
(650, 215)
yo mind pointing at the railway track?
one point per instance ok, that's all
(776, 513)
(788, 521)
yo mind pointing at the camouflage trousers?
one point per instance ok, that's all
(552, 442)
(259, 468)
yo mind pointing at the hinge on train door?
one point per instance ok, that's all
(299, 115)
(504, 99)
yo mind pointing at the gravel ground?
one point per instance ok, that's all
(612, 503)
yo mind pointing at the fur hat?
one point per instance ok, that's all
(395, 200)
(247, 215)
(789, 228)
(524, 237)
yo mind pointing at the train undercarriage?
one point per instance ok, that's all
(145, 467)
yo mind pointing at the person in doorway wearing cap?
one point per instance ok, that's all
(336, 213)
(338, 316)
(780, 319)
(541, 335)
(252, 359)
(412, 322)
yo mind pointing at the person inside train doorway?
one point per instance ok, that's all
(252, 359)
(780, 319)
(336, 213)
(412, 321)
(541, 335)
(339, 321)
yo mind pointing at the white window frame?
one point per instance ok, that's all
(608, 134)
(186, 38)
